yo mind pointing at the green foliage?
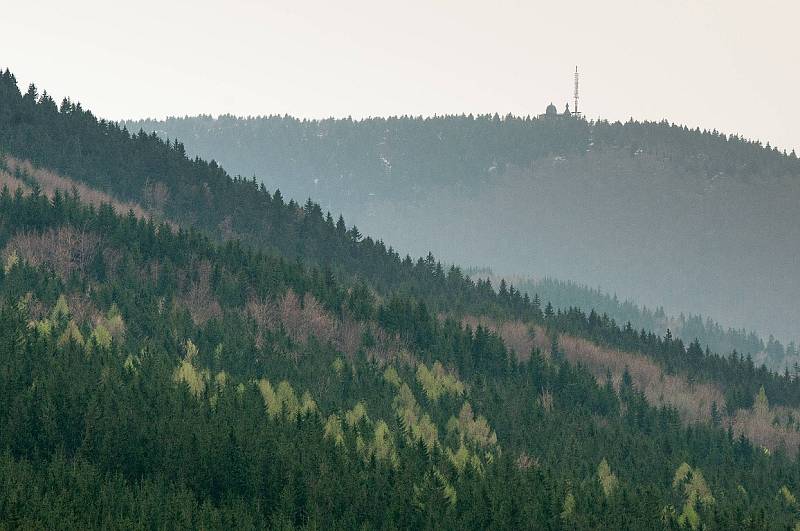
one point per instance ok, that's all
(391, 376)
(689, 516)
(60, 310)
(383, 443)
(568, 508)
(474, 429)
(788, 497)
(681, 474)
(101, 336)
(333, 430)
(71, 334)
(761, 404)
(696, 491)
(356, 415)
(417, 424)
(12, 259)
(607, 478)
(438, 382)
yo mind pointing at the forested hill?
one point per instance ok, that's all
(185, 350)
(565, 294)
(450, 150)
(656, 212)
(152, 378)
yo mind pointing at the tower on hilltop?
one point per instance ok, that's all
(552, 113)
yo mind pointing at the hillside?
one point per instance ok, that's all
(656, 212)
(183, 349)
(688, 327)
(153, 378)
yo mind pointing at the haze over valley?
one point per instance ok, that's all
(693, 221)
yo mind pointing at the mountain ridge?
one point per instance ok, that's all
(667, 215)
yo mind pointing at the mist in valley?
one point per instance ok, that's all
(693, 221)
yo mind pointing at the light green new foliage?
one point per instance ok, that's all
(391, 376)
(448, 490)
(338, 366)
(288, 399)
(191, 349)
(668, 514)
(568, 509)
(696, 490)
(406, 405)
(72, 332)
(383, 444)
(689, 516)
(108, 327)
(271, 402)
(132, 364)
(418, 426)
(307, 404)
(284, 400)
(333, 430)
(101, 336)
(607, 478)
(356, 415)
(11, 260)
(459, 458)
(428, 382)
(60, 310)
(194, 378)
(452, 425)
(475, 430)
(425, 430)
(361, 447)
(113, 321)
(788, 497)
(680, 474)
(438, 382)
(43, 327)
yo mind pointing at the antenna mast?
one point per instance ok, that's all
(575, 112)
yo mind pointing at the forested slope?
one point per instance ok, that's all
(160, 177)
(656, 212)
(162, 368)
(688, 327)
(153, 378)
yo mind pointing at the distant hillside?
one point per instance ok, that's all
(693, 220)
(181, 349)
(688, 327)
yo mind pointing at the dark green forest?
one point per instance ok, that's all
(133, 407)
(225, 358)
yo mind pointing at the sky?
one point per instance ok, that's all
(730, 65)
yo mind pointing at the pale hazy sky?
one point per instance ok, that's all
(732, 65)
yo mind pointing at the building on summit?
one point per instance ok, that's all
(552, 112)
